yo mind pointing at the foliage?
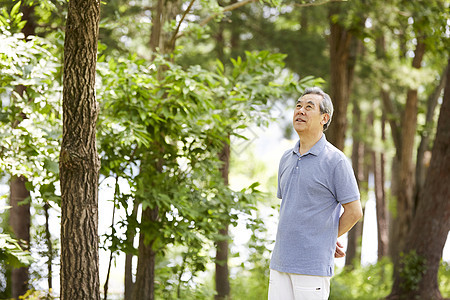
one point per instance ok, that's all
(187, 114)
(444, 279)
(12, 21)
(37, 295)
(363, 283)
(412, 268)
(30, 108)
(252, 276)
(12, 253)
(374, 282)
(30, 118)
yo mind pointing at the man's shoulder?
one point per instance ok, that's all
(288, 153)
(333, 154)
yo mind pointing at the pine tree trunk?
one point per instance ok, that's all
(405, 191)
(128, 281)
(48, 240)
(19, 219)
(431, 223)
(144, 287)
(421, 161)
(380, 199)
(131, 233)
(79, 161)
(342, 47)
(222, 273)
(222, 280)
(354, 236)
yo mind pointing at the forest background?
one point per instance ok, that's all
(165, 119)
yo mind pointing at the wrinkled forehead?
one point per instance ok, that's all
(310, 98)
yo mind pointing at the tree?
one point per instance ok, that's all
(378, 161)
(20, 223)
(420, 263)
(425, 136)
(343, 45)
(19, 195)
(426, 32)
(79, 162)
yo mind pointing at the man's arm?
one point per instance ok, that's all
(352, 213)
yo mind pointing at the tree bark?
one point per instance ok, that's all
(144, 287)
(405, 191)
(354, 236)
(155, 34)
(380, 198)
(340, 76)
(222, 280)
(433, 215)
(131, 233)
(421, 163)
(19, 219)
(222, 273)
(79, 162)
(48, 238)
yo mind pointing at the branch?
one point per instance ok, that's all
(174, 36)
(317, 3)
(226, 8)
(242, 3)
(390, 114)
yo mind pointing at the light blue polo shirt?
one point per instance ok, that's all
(312, 187)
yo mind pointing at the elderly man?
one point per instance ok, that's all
(314, 180)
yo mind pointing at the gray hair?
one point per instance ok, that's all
(326, 106)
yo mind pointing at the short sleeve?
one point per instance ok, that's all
(346, 187)
(279, 193)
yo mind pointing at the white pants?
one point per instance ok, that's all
(287, 286)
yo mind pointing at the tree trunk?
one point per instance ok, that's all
(421, 161)
(19, 219)
(79, 162)
(433, 216)
(405, 191)
(380, 198)
(235, 36)
(354, 236)
(342, 47)
(155, 34)
(144, 287)
(222, 274)
(128, 281)
(131, 233)
(48, 238)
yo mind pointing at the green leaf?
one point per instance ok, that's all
(15, 9)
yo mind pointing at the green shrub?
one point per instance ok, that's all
(363, 282)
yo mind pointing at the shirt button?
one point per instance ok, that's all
(296, 167)
(299, 158)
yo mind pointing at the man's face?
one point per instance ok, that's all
(307, 116)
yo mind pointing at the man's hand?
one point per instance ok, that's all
(339, 252)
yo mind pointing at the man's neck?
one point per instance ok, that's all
(307, 141)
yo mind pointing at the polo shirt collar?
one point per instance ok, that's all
(315, 150)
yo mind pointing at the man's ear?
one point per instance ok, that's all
(325, 118)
